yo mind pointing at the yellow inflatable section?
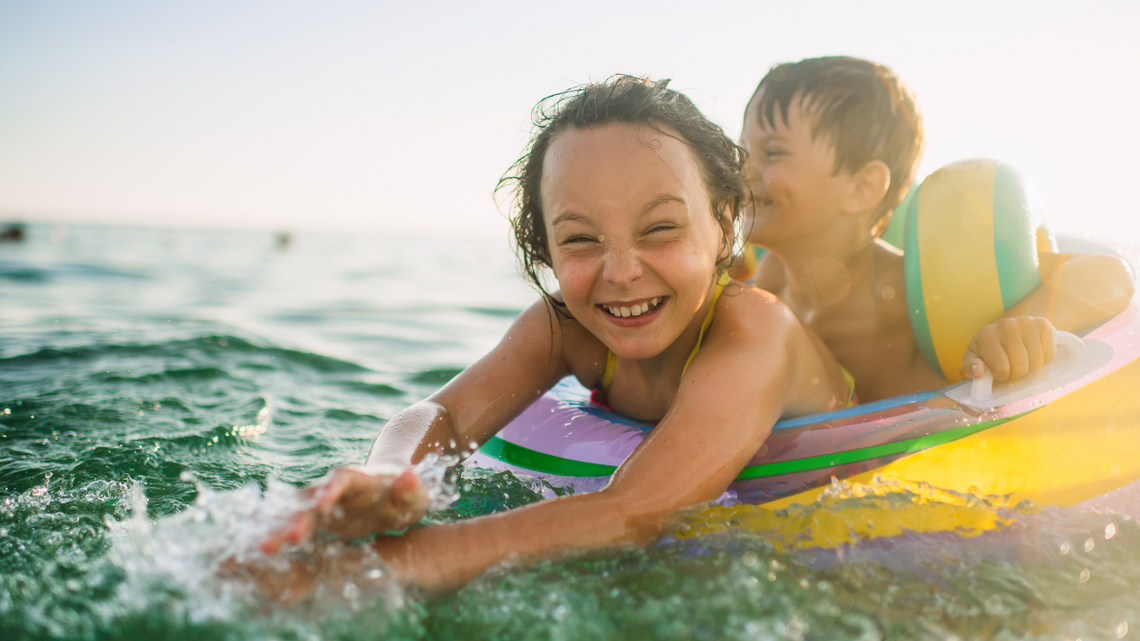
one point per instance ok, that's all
(970, 253)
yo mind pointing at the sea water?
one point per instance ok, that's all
(163, 394)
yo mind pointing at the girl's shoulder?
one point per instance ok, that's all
(749, 311)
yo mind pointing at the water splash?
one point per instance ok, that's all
(200, 560)
(437, 474)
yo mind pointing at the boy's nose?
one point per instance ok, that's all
(622, 266)
(752, 171)
(754, 176)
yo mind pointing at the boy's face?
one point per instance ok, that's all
(797, 195)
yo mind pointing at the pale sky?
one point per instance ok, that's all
(398, 116)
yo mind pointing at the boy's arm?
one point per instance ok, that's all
(1079, 291)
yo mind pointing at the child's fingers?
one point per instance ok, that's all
(1034, 348)
(300, 527)
(405, 487)
(334, 490)
(973, 366)
(407, 501)
(996, 359)
(272, 544)
(1018, 358)
(1048, 341)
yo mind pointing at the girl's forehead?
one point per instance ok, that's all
(595, 168)
(617, 148)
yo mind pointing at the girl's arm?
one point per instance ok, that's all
(757, 364)
(385, 493)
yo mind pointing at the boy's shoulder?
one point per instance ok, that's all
(889, 293)
(770, 275)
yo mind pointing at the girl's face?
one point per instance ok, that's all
(632, 240)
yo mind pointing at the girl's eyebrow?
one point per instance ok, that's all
(661, 200)
(572, 217)
(568, 217)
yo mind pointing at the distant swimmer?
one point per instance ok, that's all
(12, 233)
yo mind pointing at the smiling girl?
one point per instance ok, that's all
(631, 198)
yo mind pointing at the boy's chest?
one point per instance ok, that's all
(879, 350)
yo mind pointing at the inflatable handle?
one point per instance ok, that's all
(1073, 346)
(982, 387)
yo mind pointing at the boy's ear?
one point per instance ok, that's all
(869, 187)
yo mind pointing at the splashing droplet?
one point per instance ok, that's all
(1121, 629)
(1109, 531)
(1085, 574)
(1089, 545)
(1064, 548)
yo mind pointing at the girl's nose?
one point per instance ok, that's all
(621, 267)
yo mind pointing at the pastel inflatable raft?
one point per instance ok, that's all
(1065, 435)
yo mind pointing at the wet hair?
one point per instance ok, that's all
(862, 107)
(620, 99)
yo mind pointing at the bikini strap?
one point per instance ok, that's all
(608, 374)
(849, 379)
(721, 282)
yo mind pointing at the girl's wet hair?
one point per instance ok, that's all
(621, 99)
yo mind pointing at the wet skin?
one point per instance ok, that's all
(629, 220)
(848, 287)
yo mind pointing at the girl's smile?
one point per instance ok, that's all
(632, 239)
(636, 314)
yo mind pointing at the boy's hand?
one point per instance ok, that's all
(1010, 348)
(354, 502)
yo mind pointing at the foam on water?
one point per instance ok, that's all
(208, 556)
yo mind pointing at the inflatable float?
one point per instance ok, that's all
(1067, 434)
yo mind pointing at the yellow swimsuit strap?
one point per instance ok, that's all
(850, 380)
(611, 358)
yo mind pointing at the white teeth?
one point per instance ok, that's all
(634, 310)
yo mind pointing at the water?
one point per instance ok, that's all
(162, 393)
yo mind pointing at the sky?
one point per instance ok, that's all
(400, 116)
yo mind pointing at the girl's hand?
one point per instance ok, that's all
(1010, 348)
(354, 502)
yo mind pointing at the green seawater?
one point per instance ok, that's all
(162, 393)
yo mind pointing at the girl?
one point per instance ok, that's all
(631, 198)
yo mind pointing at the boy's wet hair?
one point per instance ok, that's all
(863, 107)
(620, 99)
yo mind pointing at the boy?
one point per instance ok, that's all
(833, 144)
